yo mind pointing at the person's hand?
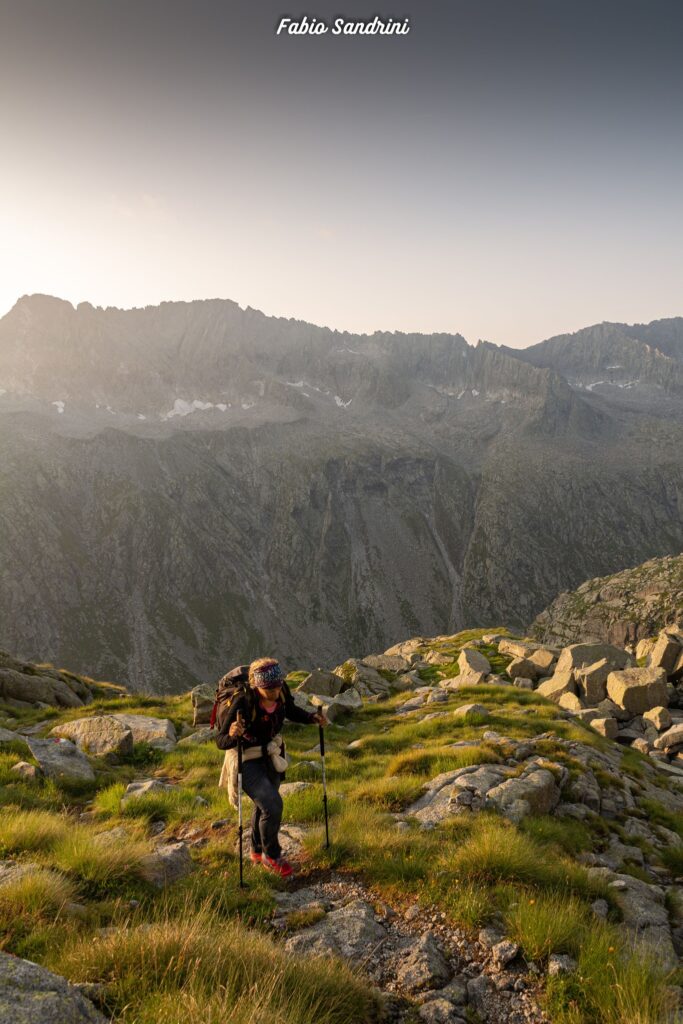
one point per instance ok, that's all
(238, 727)
(319, 718)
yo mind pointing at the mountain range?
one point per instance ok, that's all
(189, 485)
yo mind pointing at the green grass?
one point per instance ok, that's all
(547, 923)
(98, 865)
(30, 831)
(39, 893)
(192, 968)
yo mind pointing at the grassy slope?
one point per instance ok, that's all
(171, 957)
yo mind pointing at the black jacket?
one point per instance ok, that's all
(264, 726)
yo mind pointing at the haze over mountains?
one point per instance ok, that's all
(189, 485)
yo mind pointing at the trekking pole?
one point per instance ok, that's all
(322, 757)
(239, 808)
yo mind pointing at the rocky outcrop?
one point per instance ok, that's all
(29, 684)
(30, 994)
(624, 608)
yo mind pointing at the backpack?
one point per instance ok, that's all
(234, 684)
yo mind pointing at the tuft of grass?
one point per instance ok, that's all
(614, 983)
(496, 851)
(569, 836)
(25, 831)
(434, 760)
(99, 866)
(298, 919)
(38, 893)
(388, 794)
(547, 923)
(672, 858)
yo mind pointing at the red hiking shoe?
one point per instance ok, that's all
(279, 867)
(255, 857)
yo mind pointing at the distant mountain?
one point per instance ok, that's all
(643, 359)
(189, 485)
(622, 608)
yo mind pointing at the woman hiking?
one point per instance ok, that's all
(256, 714)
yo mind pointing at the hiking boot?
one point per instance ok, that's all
(279, 867)
(255, 857)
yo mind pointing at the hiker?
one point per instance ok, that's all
(261, 702)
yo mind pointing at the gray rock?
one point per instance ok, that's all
(205, 735)
(473, 661)
(61, 760)
(638, 689)
(671, 738)
(7, 736)
(543, 658)
(471, 709)
(570, 702)
(560, 963)
(289, 788)
(439, 1011)
(578, 656)
(523, 668)
(327, 684)
(532, 793)
(202, 697)
(557, 685)
(659, 717)
(600, 908)
(26, 770)
(349, 932)
(665, 652)
(591, 681)
(166, 865)
(388, 662)
(504, 952)
(30, 994)
(608, 727)
(98, 736)
(158, 732)
(478, 990)
(145, 787)
(424, 966)
(645, 915)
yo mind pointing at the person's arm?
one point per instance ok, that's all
(224, 741)
(296, 714)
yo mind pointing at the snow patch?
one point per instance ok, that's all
(248, 405)
(475, 392)
(341, 403)
(141, 416)
(59, 406)
(181, 407)
(461, 394)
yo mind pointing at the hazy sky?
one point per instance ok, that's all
(510, 169)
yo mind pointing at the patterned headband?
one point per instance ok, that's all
(268, 677)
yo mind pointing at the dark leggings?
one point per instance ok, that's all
(261, 782)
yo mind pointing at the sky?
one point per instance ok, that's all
(508, 170)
